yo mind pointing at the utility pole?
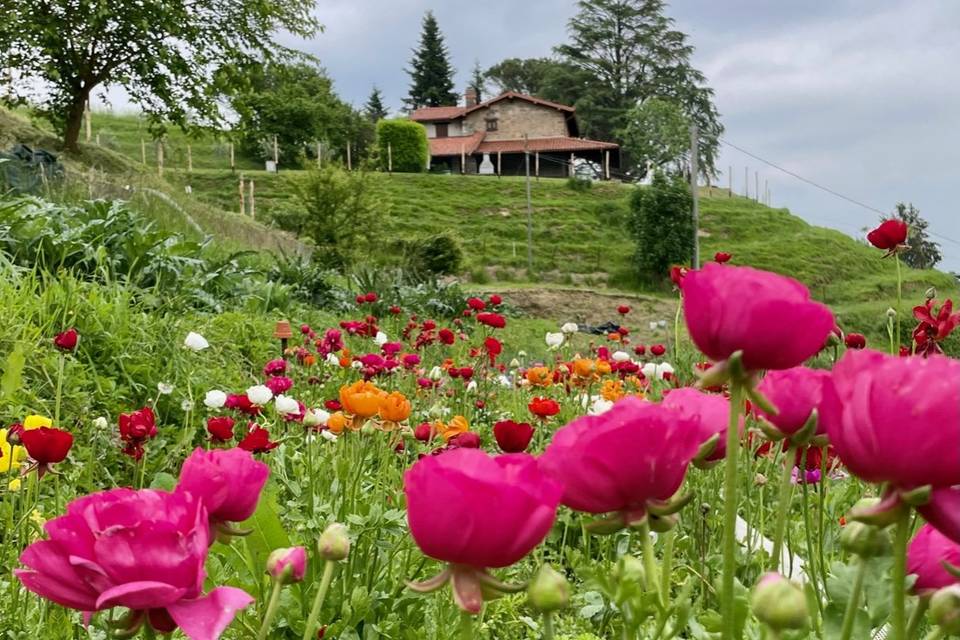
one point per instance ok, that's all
(694, 172)
(526, 164)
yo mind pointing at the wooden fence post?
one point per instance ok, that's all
(98, 138)
(319, 155)
(86, 118)
(243, 198)
(730, 181)
(389, 158)
(349, 158)
(253, 206)
(536, 165)
(233, 166)
(143, 151)
(499, 166)
(463, 159)
(160, 158)
(276, 154)
(189, 159)
(572, 171)
(606, 164)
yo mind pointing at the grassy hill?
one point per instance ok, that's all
(580, 239)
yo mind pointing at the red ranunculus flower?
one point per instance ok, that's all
(495, 300)
(242, 403)
(493, 348)
(722, 256)
(933, 327)
(360, 299)
(46, 446)
(855, 341)
(494, 320)
(639, 349)
(220, 428)
(476, 304)
(677, 274)
(370, 297)
(889, 235)
(136, 428)
(658, 350)
(66, 341)
(446, 336)
(395, 310)
(512, 437)
(623, 309)
(543, 408)
(257, 440)
(465, 440)
(277, 367)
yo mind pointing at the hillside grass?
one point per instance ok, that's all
(580, 239)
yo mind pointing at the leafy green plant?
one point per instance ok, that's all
(662, 226)
(407, 142)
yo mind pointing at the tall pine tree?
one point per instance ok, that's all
(633, 53)
(375, 109)
(430, 71)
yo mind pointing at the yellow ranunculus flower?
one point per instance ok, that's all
(10, 455)
(35, 422)
(612, 390)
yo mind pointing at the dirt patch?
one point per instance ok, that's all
(591, 307)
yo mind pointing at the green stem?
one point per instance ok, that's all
(466, 626)
(936, 634)
(917, 616)
(669, 539)
(650, 562)
(853, 604)
(311, 629)
(896, 258)
(547, 625)
(899, 587)
(783, 507)
(272, 607)
(56, 406)
(730, 511)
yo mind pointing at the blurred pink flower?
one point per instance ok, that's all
(712, 410)
(926, 554)
(795, 393)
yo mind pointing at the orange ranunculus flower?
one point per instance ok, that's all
(584, 368)
(603, 367)
(362, 399)
(309, 360)
(539, 376)
(337, 422)
(612, 390)
(395, 407)
(453, 428)
(446, 364)
(614, 336)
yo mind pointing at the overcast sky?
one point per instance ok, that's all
(862, 96)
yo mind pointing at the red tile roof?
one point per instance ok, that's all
(431, 114)
(545, 145)
(455, 145)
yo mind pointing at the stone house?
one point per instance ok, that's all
(491, 137)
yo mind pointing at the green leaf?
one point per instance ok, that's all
(163, 481)
(267, 532)
(13, 372)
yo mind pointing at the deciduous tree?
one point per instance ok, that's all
(162, 53)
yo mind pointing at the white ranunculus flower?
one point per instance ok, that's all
(504, 381)
(259, 394)
(215, 399)
(436, 373)
(165, 388)
(569, 327)
(356, 364)
(471, 386)
(381, 338)
(653, 326)
(653, 371)
(514, 363)
(195, 342)
(522, 354)
(620, 356)
(286, 404)
(187, 405)
(662, 324)
(100, 423)
(329, 435)
(554, 340)
(333, 359)
(600, 405)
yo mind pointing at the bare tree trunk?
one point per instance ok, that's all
(74, 120)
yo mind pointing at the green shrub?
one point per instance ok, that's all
(661, 223)
(439, 254)
(408, 145)
(580, 185)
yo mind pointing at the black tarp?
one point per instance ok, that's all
(25, 170)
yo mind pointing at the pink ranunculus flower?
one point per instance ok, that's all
(712, 411)
(896, 420)
(144, 550)
(769, 317)
(227, 481)
(926, 554)
(278, 384)
(795, 393)
(634, 455)
(475, 511)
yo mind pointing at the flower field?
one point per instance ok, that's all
(384, 473)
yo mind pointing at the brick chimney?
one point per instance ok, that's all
(470, 97)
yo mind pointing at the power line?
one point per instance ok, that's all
(832, 192)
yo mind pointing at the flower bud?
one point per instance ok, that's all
(779, 603)
(891, 312)
(287, 565)
(945, 609)
(864, 540)
(630, 569)
(334, 542)
(549, 590)
(930, 293)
